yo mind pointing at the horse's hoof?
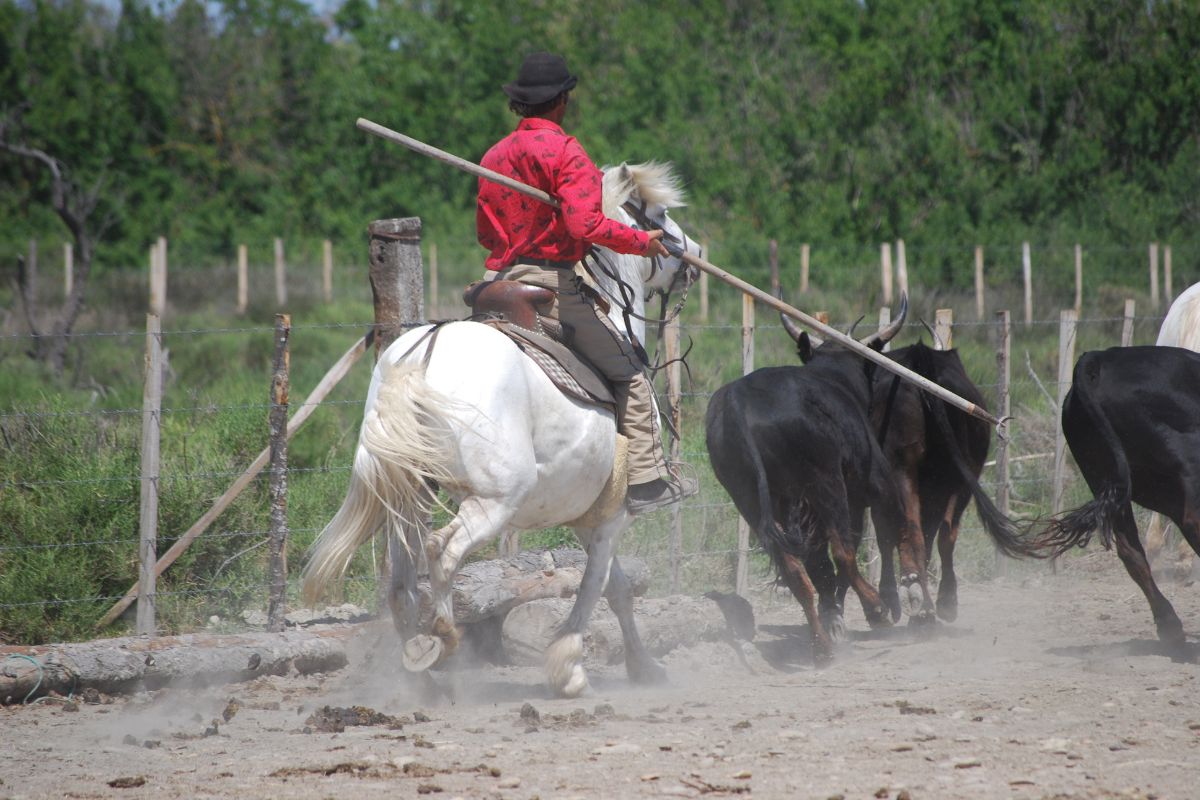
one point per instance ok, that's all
(421, 652)
(576, 684)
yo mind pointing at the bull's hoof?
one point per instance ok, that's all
(947, 609)
(646, 673)
(834, 624)
(822, 655)
(878, 617)
(1170, 632)
(421, 652)
(913, 598)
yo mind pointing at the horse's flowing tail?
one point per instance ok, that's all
(403, 453)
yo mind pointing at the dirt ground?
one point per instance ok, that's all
(1047, 686)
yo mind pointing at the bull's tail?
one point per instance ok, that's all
(402, 455)
(774, 538)
(1075, 528)
(1007, 535)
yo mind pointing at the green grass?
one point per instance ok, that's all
(69, 473)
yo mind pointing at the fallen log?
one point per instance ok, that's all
(484, 589)
(664, 623)
(134, 663)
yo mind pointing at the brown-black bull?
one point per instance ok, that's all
(794, 448)
(1132, 422)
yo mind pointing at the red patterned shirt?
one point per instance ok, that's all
(512, 225)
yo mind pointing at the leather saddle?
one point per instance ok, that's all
(512, 308)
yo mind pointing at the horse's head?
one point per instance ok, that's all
(641, 195)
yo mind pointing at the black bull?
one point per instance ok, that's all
(1132, 421)
(798, 449)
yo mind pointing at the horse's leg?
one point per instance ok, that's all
(640, 666)
(564, 657)
(476, 522)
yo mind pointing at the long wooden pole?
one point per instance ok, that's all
(699, 263)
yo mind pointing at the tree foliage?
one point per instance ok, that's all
(832, 121)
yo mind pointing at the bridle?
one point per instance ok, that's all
(682, 279)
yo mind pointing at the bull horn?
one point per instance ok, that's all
(937, 342)
(789, 325)
(885, 335)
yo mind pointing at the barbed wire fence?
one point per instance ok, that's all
(697, 547)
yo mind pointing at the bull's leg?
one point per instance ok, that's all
(830, 587)
(1129, 548)
(846, 558)
(886, 540)
(564, 657)
(792, 570)
(904, 518)
(640, 666)
(947, 537)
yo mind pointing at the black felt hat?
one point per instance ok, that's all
(543, 77)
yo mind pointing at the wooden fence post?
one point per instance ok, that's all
(278, 419)
(804, 256)
(885, 269)
(704, 285)
(1027, 275)
(148, 511)
(885, 317)
(1003, 411)
(433, 280)
(162, 265)
(1078, 278)
(306, 409)
(327, 270)
(742, 573)
(979, 307)
(1167, 288)
(1127, 324)
(68, 269)
(243, 280)
(773, 260)
(943, 328)
(280, 275)
(397, 278)
(1154, 276)
(901, 268)
(158, 277)
(674, 409)
(1067, 319)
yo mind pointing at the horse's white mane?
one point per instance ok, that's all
(654, 182)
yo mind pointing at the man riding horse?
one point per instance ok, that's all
(536, 244)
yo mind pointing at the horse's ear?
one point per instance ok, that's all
(625, 174)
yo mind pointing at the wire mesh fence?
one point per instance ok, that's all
(69, 487)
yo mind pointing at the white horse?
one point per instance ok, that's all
(1180, 328)
(464, 410)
